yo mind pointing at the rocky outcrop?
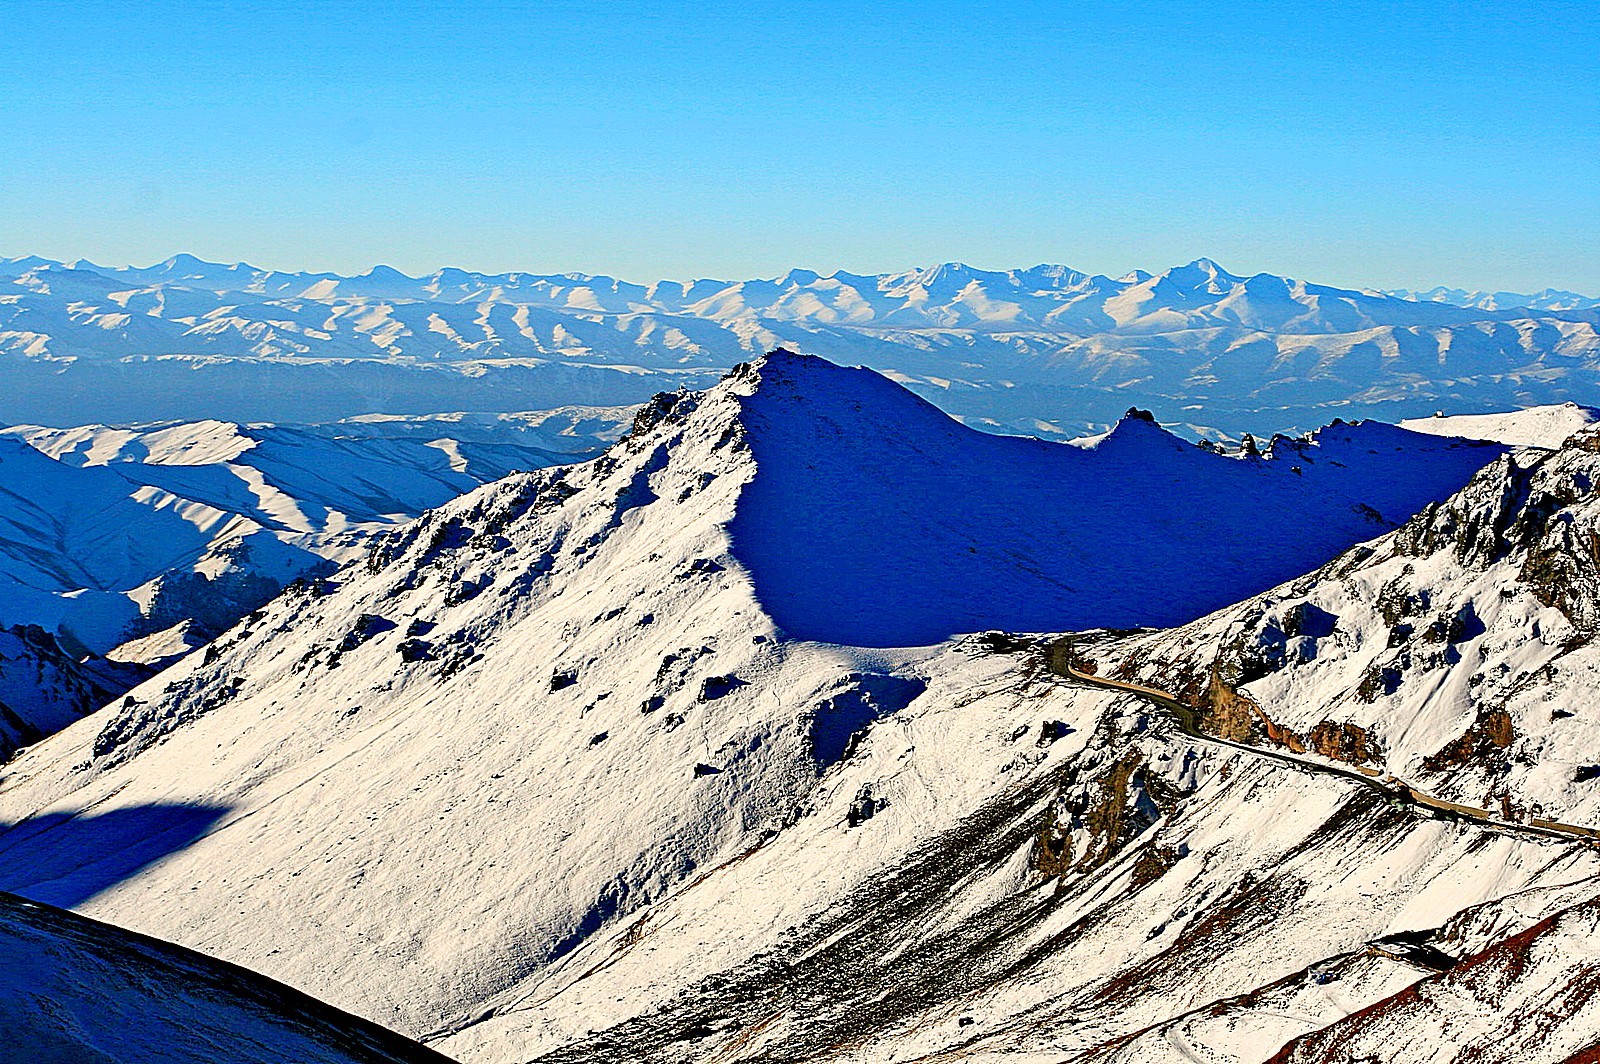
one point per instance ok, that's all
(1484, 742)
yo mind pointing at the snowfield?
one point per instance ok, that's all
(1541, 426)
(680, 754)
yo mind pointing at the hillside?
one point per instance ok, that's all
(548, 773)
(1456, 654)
(1540, 426)
(1525, 999)
(73, 990)
(141, 543)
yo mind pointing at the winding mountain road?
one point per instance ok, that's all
(1187, 718)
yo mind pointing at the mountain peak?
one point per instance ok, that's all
(1202, 270)
(382, 272)
(858, 484)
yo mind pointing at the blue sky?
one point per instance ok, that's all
(1392, 144)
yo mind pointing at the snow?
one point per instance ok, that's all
(557, 767)
(142, 542)
(74, 990)
(1424, 632)
(1538, 426)
(123, 506)
(1529, 999)
(860, 486)
(1012, 347)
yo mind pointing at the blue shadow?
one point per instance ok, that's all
(64, 859)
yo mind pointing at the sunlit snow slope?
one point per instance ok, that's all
(105, 523)
(142, 543)
(560, 768)
(1539, 426)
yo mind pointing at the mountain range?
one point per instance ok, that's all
(763, 736)
(1047, 350)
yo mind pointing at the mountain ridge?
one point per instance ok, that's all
(447, 777)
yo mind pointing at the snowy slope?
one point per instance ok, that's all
(73, 990)
(100, 515)
(875, 520)
(1457, 654)
(547, 772)
(1529, 999)
(1539, 426)
(43, 688)
(1046, 350)
(141, 543)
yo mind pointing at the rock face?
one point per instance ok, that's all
(1455, 652)
(43, 688)
(1528, 999)
(546, 774)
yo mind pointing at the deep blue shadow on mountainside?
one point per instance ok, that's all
(65, 859)
(874, 519)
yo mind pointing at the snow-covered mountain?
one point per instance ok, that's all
(73, 990)
(627, 760)
(43, 687)
(1547, 299)
(1046, 350)
(1457, 655)
(139, 544)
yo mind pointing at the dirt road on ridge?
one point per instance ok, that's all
(1187, 718)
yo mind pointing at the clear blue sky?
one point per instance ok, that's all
(1392, 144)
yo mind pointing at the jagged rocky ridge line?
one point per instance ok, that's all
(122, 549)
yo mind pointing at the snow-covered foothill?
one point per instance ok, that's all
(143, 543)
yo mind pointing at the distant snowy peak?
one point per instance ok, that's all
(1043, 349)
(1547, 299)
(1538, 426)
(950, 294)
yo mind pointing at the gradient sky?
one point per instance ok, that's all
(1359, 143)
